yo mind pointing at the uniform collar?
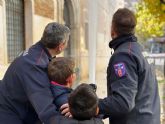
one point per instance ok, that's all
(115, 43)
(46, 50)
(57, 84)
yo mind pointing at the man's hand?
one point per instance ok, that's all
(65, 110)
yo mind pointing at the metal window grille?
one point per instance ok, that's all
(15, 28)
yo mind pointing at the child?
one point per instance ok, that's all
(83, 102)
(61, 74)
(83, 105)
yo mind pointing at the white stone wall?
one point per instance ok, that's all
(2, 40)
(39, 25)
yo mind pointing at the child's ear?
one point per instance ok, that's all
(70, 80)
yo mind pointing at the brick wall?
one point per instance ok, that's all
(44, 8)
(0, 2)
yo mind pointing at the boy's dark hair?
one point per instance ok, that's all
(124, 21)
(59, 69)
(54, 34)
(83, 102)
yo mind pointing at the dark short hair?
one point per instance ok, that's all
(54, 34)
(59, 69)
(83, 102)
(124, 21)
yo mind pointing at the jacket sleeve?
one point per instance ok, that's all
(122, 87)
(37, 87)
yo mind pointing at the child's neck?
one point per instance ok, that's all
(57, 84)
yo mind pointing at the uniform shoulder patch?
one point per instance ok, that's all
(120, 69)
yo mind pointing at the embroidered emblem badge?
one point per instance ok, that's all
(120, 70)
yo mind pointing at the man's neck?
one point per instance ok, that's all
(52, 52)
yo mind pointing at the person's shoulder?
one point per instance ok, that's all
(60, 119)
(92, 121)
(132, 50)
(98, 121)
(35, 55)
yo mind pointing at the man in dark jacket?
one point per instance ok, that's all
(26, 85)
(132, 87)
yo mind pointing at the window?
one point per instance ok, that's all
(15, 28)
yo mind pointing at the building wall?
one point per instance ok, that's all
(104, 12)
(40, 12)
(3, 44)
(43, 14)
(84, 65)
(106, 9)
(2, 37)
(44, 8)
(39, 25)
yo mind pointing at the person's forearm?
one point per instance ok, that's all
(114, 106)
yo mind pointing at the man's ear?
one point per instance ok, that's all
(62, 46)
(113, 31)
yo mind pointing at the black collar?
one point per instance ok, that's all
(121, 39)
(46, 50)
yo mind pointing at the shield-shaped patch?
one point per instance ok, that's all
(120, 69)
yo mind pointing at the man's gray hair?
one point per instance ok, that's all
(54, 34)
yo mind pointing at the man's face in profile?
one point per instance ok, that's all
(113, 33)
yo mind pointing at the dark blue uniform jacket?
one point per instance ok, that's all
(26, 86)
(64, 120)
(60, 94)
(132, 87)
